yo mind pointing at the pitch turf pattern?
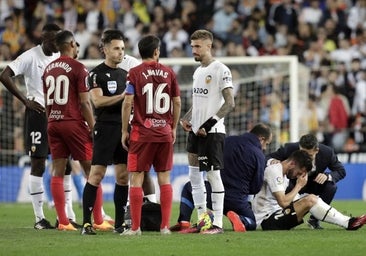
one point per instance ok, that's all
(18, 237)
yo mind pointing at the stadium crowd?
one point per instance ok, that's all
(328, 36)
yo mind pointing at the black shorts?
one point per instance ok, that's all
(107, 146)
(35, 133)
(210, 150)
(284, 219)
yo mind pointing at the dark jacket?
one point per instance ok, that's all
(244, 163)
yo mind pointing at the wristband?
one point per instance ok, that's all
(209, 124)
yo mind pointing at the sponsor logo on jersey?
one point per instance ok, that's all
(154, 123)
(200, 90)
(112, 86)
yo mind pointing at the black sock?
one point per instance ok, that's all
(89, 197)
(120, 201)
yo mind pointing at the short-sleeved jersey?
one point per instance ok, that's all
(264, 203)
(31, 65)
(208, 83)
(154, 87)
(112, 81)
(63, 80)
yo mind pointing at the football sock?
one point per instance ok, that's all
(68, 198)
(198, 189)
(166, 199)
(47, 185)
(89, 197)
(78, 182)
(36, 192)
(120, 200)
(136, 196)
(97, 211)
(217, 196)
(57, 189)
(327, 213)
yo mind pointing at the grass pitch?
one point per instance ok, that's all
(17, 237)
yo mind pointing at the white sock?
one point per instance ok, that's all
(217, 196)
(36, 192)
(151, 198)
(198, 189)
(68, 198)
(327, 213)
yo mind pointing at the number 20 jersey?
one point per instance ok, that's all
(63, 80)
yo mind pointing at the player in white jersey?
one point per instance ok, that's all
(275, 210)
(213, 99)
(31, 65)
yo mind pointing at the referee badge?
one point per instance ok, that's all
(112, 86)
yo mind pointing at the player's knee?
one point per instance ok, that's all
(38, 166)
(214, 178)
(310, 200)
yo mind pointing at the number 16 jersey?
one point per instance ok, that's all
(153, 86)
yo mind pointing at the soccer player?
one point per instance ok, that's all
(107, 85)
(70, 117)
(213, 99)
(242, 176)
(31, 65)
(320, 182)
(275, 209)
(152, 90)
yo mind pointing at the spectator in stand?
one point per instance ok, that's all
(5, 53)
(356, 18)
(359, 101)
(95, 19)
(338, 116)
(11, 36)
(283, 13)
(82, 36)
(70, 15)
(223, 18)
(352, 77)
(176, 36)
(337, 15)
(311, 14)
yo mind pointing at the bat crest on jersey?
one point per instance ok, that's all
(208, 79)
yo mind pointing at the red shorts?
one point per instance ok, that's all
(143, 155)
(67, 138)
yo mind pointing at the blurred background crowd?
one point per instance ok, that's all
(329, 37)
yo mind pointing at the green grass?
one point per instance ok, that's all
(17, 237)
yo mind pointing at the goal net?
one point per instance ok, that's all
(271, 89)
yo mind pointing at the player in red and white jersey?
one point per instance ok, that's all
(152, 90)
(70, 117)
